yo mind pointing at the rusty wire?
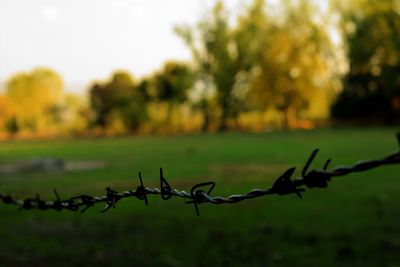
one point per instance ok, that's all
(201, 193)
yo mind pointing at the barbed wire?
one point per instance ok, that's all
(201, 192)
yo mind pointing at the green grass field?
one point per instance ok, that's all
(354, 222)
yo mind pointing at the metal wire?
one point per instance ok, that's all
(201, 193)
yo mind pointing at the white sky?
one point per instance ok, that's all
(85, 40)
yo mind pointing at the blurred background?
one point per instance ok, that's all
(231, 91)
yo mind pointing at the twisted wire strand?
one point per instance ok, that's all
(201, 193)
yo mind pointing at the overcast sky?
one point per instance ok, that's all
(88, 39)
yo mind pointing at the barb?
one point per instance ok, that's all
(284, 185)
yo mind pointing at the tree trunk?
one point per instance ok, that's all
(289, 118)
(168, 118)
(206, 117)
(206, 122)
(223, 125)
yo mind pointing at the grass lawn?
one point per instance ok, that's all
(354, 222)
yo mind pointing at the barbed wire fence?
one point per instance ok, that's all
(201, 192)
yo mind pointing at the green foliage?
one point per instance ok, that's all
(172, 82)
(264, 60)
(214, 49)
(12, 125)
(271, 66)
(291, 55)
(371, 87)
(118, 99)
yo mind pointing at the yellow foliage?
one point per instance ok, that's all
(36, 96)
(7, 110)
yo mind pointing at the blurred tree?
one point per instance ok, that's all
(118, 99)
(35, 95)
(290, 54)
(171, 84)
(173, 81)
(214, 49)
(144, 89)
(100, 104)
(252, 25)
(282, 59)
(371, 87)
(76, 113)
(7, 115)
(12, 126)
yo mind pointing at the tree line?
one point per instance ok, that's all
(283, 65)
